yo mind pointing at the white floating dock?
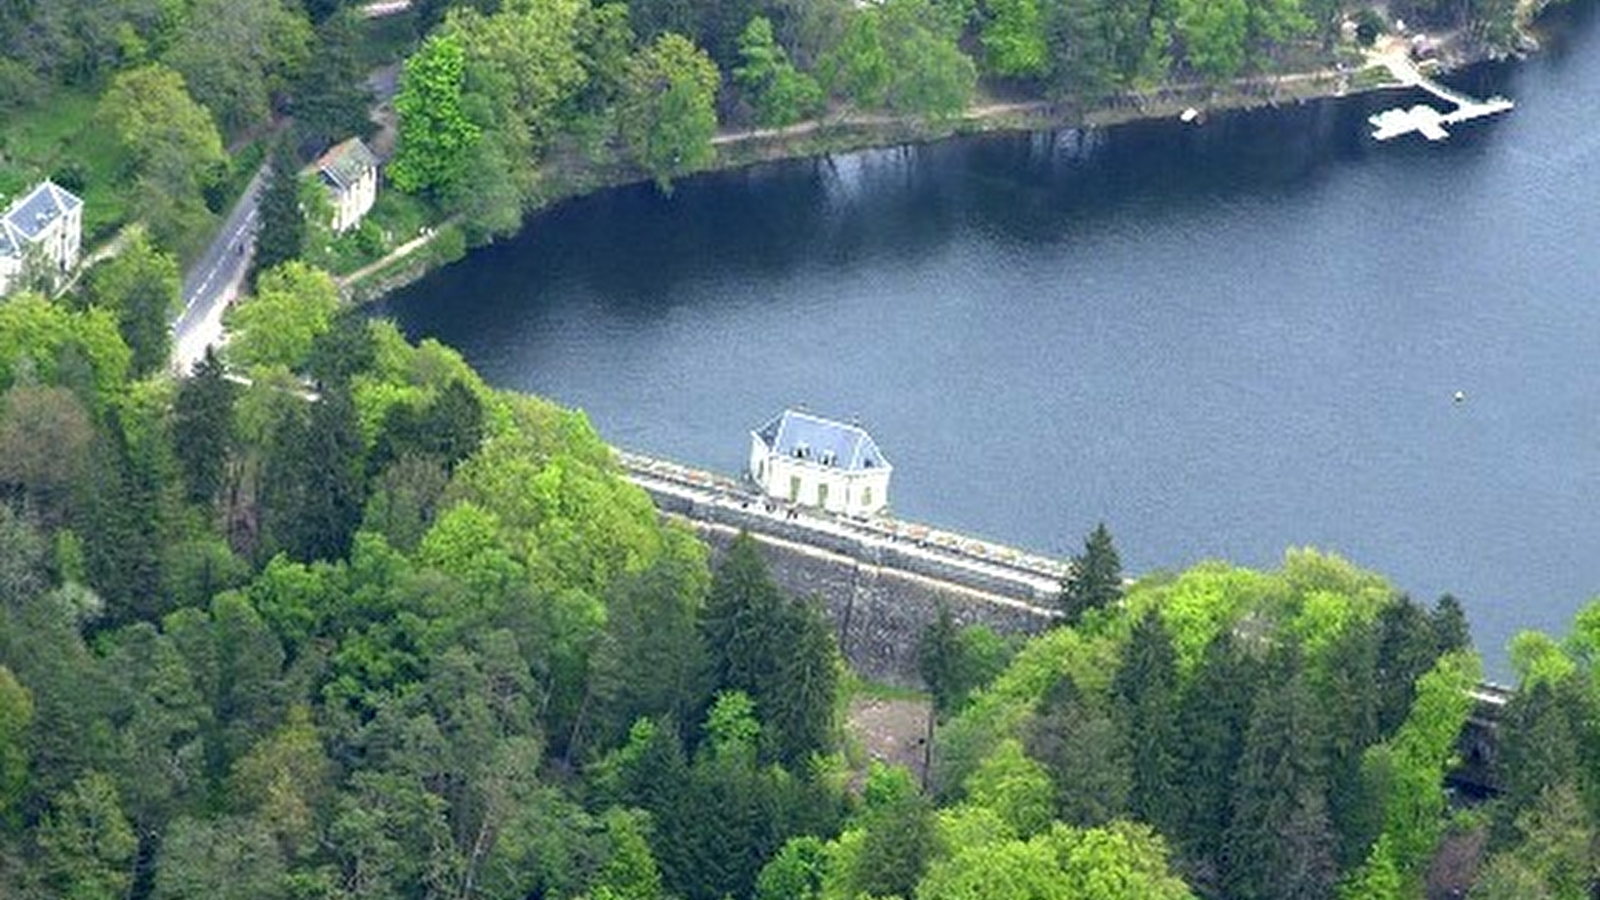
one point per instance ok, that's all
(1424, 119)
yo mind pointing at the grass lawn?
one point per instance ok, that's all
(58, 139)
(395, 219)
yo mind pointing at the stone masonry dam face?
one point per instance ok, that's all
(880, 582)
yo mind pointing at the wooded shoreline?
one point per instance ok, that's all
(852, 133)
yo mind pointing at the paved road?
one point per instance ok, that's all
(214, 280)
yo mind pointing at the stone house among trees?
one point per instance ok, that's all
(349, 173)
(802, 458)
(40, 236)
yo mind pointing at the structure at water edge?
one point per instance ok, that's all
(1422, 118)
(880, 580)
(798, 457)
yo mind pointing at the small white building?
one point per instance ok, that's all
(349, 173)
(802, 458)
(43, 229)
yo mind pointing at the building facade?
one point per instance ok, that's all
(802, 458)
(40, 235)
(349, 173)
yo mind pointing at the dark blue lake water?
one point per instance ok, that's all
(1223, 340)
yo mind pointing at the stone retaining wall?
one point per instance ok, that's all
(879, 597)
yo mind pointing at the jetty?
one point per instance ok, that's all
(1423, 118)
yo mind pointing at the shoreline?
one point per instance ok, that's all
(845, 133)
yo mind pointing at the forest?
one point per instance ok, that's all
(363, 627)
(331, 619)
(160, 110)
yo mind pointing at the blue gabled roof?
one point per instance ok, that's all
(31, 215)
(822, 441)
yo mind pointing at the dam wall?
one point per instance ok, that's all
(881, 581)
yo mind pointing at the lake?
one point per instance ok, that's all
(1223, 340)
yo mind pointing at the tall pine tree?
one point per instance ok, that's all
(1212, 717)
(203, 430)
(1095, 579)
(1280, 842)
(1145, 692)
(282, 235)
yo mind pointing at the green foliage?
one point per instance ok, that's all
(1095, 578)
(435, 134)
(239, 852)
(282, 234)
(292, 306)
(1014, 38)
(175, 151)
(1539, 660)
(668, 116)
(782, 94)
(900, 55)
(203, 414)
(141, 286)
(1214, 35)
(795, 873)
(894, 838)
(1414, 764)
(16, 718)
(1119, 861)
(1015, 787)
(47, 342)
(236, 54)
(86, 843)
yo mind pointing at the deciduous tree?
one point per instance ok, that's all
(668, 114)
(141, 286)
(174, 148)
(435, 133)
(781, 94)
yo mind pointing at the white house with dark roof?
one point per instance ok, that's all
(349, 173)
(807, 459)
(44, 227)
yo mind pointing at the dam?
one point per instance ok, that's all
(882, 580)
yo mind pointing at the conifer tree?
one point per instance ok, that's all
(1279, 842)
(1450, 625)
(314, 486)
(122, 541)
(1082, 749)
(1095, 579)
(801, 700)
(282, 235)
(1539, 747)
(1145, 691)
(203, 428)
(938, 660)
(1213, 713)
(1407, 647)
